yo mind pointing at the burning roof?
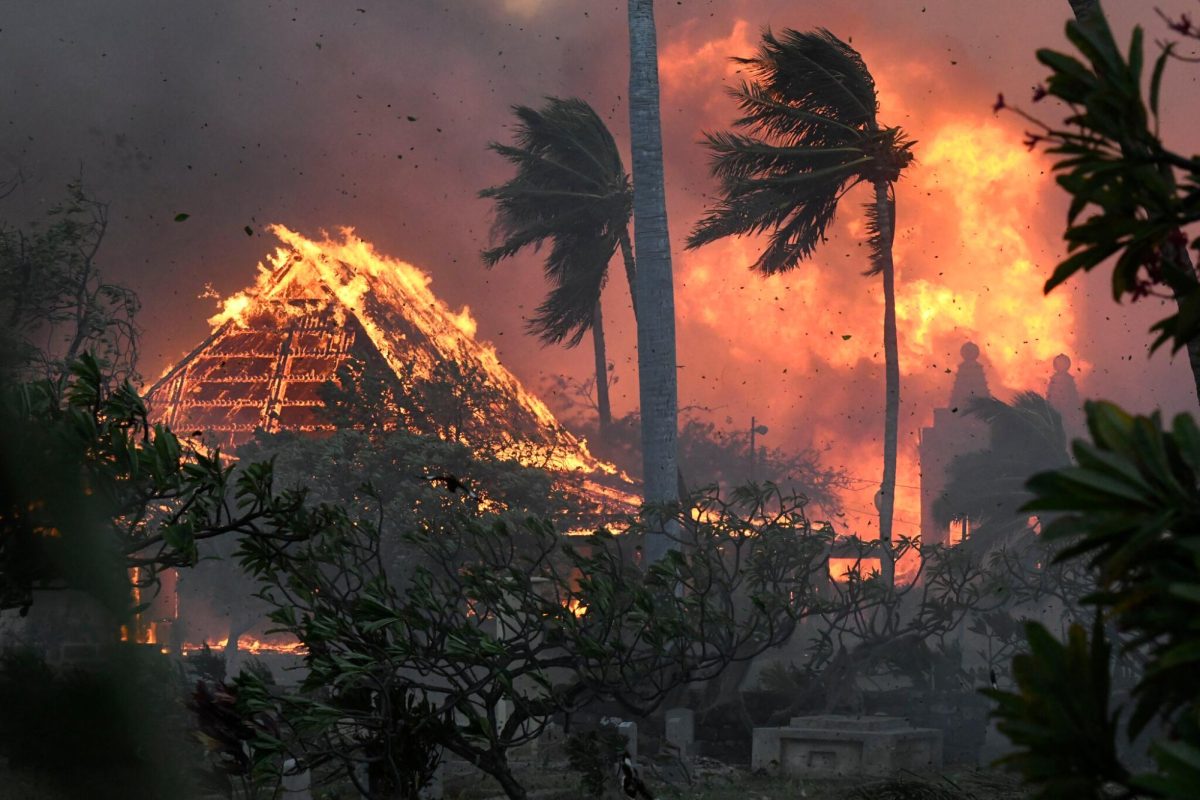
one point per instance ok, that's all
(320, 307)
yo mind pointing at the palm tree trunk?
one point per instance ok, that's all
(885, 207)
(655, 293)
(602, 405)
(1086, 13)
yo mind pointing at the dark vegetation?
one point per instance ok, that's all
(1127, 511)
(440, 622)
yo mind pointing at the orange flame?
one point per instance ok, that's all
(364, 281)
(840, 569)
(249, 644)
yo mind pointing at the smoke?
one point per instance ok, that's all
(377, 115)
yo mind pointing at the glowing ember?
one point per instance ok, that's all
(248, 644)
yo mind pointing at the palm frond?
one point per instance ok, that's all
(734, 155)
(578, 273)
(807, 134)
(1028, 421)
(570, 190)
(796, 229)
(765, 113)
(818, 72)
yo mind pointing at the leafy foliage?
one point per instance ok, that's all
(592, 754)
(509, 615)
(1137, 193)
(1026, 436)
(55, 304)
(229, 733)
(90, 489)
(1061, 715)
(865, 625)
(1131, 508)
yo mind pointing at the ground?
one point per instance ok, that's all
(712, 783)
(730, 783)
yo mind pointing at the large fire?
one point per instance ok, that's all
(803, 351)
(276, 343)
(364, 281)
(249, 644)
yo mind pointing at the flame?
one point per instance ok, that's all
(249, 644)
(576, 607)
(358, 275)
(233, 309)
(840, 569)
(408, 326)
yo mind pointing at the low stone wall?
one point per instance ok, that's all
(834, 746)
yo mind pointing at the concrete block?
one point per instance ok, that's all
(296, 783)
(834, 745)
(681, 730)
(630, 731)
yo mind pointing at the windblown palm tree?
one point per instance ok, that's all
(657, 381)
(988, 486)
(571, 189)
(810, 134)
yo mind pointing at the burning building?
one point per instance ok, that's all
(336, 316)
(324, 312)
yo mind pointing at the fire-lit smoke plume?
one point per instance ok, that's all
(804, 350)
(384, 126)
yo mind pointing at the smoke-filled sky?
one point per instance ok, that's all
(377, 114)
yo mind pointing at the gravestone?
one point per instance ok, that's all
(681, 730)
(832, 745)
(630, 732)
(296, 783)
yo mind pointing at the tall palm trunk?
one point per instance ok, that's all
(885, 208)
(602, 405)
(1086, 13)
(655, 295)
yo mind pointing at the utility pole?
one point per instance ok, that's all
(759, 429)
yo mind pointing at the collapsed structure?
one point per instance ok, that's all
(325, 310)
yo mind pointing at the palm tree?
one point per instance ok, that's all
(810, 134)
(658, 388)
(572, 189)
(1026, 437)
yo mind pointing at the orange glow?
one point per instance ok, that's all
(249, 644)
(840, 569)
(576, 607)
(804, 350)
(316, 306)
